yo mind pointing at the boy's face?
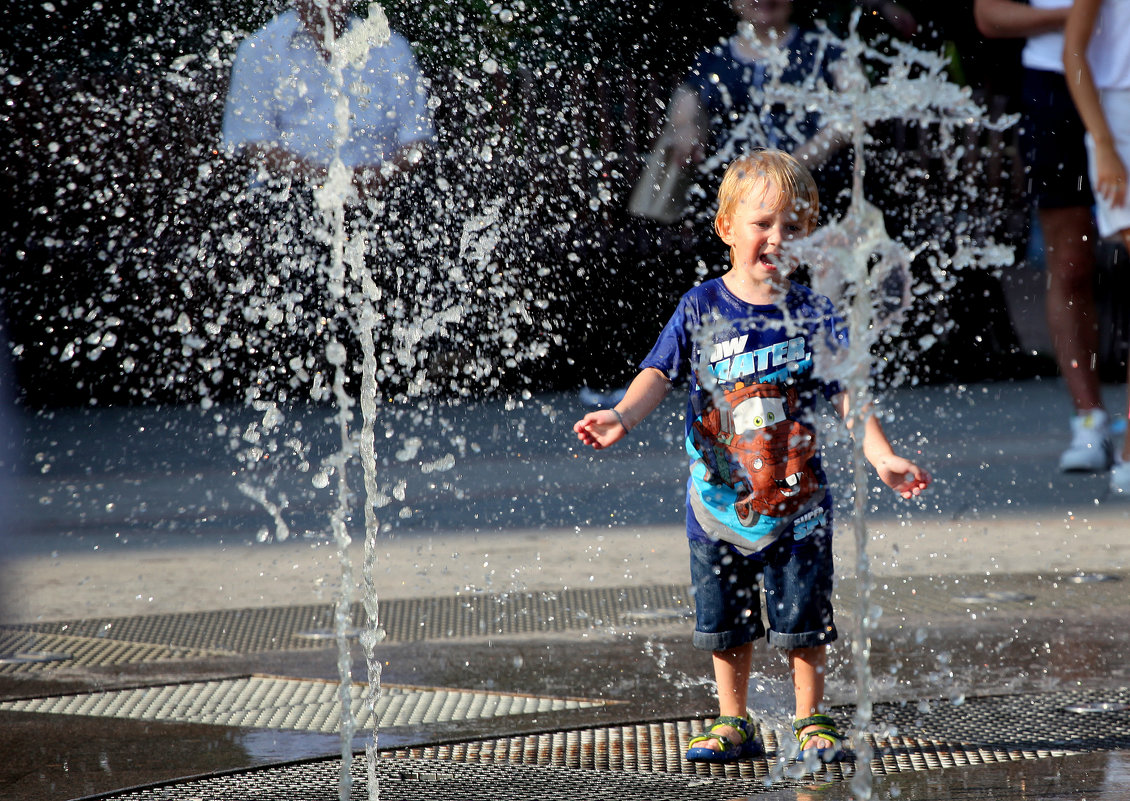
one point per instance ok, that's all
(758, 228)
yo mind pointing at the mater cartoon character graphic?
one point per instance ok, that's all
(752, 446)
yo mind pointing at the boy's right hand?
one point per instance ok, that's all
(599, 429)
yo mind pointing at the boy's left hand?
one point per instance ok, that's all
(600, 429)
(903, 476)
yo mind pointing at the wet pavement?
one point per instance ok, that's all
(532, 593)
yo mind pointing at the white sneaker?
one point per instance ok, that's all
(1120, 478)
(1090, 450)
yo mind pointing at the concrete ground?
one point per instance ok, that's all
(1007, 579)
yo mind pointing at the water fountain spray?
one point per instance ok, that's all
(868, 274)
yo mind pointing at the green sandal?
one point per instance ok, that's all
(826, 730)
(749, 746)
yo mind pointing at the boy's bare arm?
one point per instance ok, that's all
(608, 426)
(902, 475)
(1004, 19)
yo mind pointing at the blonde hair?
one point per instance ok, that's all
(776, 167)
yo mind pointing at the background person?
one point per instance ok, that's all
(1055, 161)
(1096, 57)
(719, 111)
(280, 110)
(280, 122)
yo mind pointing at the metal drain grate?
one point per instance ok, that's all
(940, 734)
(245, 631)
(19, 650)
(296, 628)
(655, 747)
(659, 748)
(422, 780)
(305, 705)
(239, 631)
(644, 760)
(1029, 725)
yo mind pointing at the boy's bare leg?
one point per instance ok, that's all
(808, 666)
(1070, 302)
(731, 673)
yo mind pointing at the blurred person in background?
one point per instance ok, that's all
(1055, 161)
(280, 123)
(719, 110)
(280, 111)
(1096, 58)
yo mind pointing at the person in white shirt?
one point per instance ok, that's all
(280, 127)
(1056, 167)
(279, 116)
(1096, 58)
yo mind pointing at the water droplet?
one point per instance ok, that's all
(336, 354)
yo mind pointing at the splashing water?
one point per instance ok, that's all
(870, 276)
(856, 263)
(353, 49)
(398, 295)
(408, 319)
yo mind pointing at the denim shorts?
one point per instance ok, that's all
(1055, 158)
(796, 579)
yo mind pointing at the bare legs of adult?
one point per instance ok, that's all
(1120, 472)
(1073, 323)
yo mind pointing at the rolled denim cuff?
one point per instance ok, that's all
(806, 639)
(725, 640)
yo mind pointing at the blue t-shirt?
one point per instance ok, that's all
(756, 472)
(730, 89)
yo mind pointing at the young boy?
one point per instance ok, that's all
(758, 507)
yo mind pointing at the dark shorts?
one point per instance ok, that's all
(1055, 159)
(797, 581)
